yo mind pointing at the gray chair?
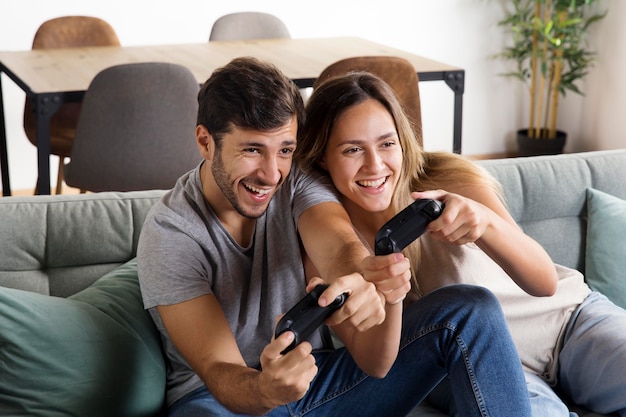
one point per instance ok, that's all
(248, 25)
(251, 25)
(136, 130)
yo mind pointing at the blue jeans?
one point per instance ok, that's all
(458, 330)
(592, 365)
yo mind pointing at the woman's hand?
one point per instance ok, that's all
(462, 221)
(363, 309)
(391, 274)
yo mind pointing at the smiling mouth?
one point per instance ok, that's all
(373, 184)
(257, 191)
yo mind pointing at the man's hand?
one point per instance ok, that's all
(286, 378)
(391, 274)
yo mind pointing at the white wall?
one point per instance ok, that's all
(462, 33)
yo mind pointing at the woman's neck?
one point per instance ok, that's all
(367, 223)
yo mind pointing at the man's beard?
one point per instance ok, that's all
(226, 185)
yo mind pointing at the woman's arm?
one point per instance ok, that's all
(367, 324)
(476, 214)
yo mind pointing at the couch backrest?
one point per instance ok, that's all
(546, 196)
(60, 244)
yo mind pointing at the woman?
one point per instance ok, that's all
(356, 131)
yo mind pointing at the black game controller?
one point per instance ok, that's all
(406, 226)
(307, 315)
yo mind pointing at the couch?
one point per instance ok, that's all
(75, 340)
(74, 337)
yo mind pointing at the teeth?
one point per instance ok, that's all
(256, 190)
(374, 184)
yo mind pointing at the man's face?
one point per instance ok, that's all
(249, 166)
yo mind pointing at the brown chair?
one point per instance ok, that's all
(66, 32)
(395, 71)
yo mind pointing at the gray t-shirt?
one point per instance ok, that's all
(185, 252)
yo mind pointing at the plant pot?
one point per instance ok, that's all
(540, 146)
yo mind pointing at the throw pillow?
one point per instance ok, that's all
(96, 353)
(605, 260)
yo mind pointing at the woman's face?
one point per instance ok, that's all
(364, 156)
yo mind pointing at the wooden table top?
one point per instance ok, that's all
(72, 69)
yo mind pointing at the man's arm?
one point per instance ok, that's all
(368, 325)
(200, 331)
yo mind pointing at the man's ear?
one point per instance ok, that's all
(205, 142)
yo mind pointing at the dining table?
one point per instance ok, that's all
(51, 77)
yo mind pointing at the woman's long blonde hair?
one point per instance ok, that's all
(421, 170)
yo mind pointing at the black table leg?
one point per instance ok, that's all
(45, 105)
(456, 81)
(4, 158)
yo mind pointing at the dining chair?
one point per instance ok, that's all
(65, 32)
(136, 130)
(248, 25)
(398, 72)
(251, 25)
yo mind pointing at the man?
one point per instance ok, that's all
(220, 260)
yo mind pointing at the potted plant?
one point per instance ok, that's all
(550, 50)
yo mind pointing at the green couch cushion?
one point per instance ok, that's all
(96, 353)
(605, 263)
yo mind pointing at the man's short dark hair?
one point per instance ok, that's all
(248, 94)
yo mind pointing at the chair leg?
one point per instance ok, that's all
(60, 176)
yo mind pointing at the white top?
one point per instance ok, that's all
(537, 324)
